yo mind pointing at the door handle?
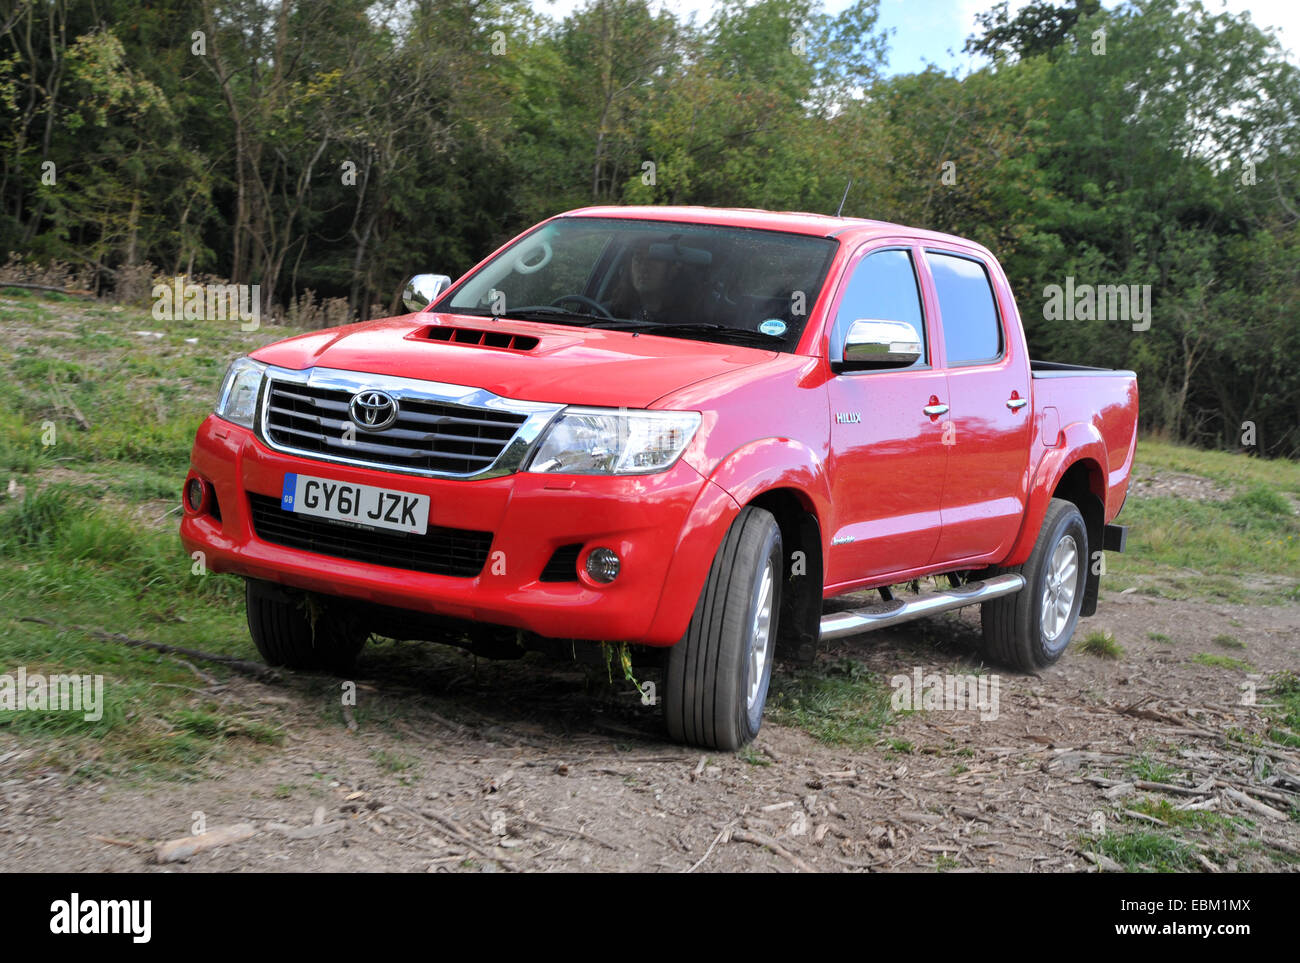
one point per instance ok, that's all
(934, 411)
(1015, 404)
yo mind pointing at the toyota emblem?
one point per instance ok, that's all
(372, 410)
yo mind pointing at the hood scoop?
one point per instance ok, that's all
(474, 337)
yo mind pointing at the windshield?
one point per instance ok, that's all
(711, 283)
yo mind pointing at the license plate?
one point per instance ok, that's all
(358, 504)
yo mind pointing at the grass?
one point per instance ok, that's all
(1243, 549)
(1170, 848)
(85, 538)
(1284, 693)
(1220, 662)
(1100, 644)
(1164, 810)
(1223, 467)
(1146, 852)
(1150, 769)
(1210, 544)
(842, 704)
(1225, 641)
(392, 762)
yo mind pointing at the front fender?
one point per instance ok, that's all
(739, 478)
(770, 463)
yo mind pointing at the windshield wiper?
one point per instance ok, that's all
(553, 315)
(679, 328)
(543, 313)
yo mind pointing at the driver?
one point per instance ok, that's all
(643, 291)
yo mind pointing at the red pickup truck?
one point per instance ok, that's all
(681, 428)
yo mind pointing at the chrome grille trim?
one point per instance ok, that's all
(496, 434)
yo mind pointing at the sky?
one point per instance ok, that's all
(934, 31)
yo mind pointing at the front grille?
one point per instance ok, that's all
(428, 436)
(440, 551)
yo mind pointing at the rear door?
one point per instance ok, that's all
(888, 454)
(990, 412)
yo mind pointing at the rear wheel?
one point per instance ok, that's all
(301, 631)
(718, 674)
(1030, 630)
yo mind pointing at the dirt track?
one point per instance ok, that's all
(505, 766)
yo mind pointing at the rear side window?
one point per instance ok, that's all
(882, 288)
(971, 331)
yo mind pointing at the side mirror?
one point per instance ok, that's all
(881, 344)
(422, 289)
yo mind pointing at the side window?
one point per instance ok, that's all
(971, 331)
(882, 288)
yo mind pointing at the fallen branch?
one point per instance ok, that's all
(572, 833)
(126, 843)
(255, 669)
(188, 846)
(758, 839)
(1254, 805)
(1167, 787)
(1284, 799)
(46, 287)
(458, 834)
(726, 830)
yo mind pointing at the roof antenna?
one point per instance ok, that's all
(845, 197)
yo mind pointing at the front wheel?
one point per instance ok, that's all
(301, 631)
(718, 674)
(1029, 630)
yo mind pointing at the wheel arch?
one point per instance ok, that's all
(1084, 485)
(799, 623)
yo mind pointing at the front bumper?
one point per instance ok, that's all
(665, 528)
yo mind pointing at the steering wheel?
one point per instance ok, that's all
(587, 302)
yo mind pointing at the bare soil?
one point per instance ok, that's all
(452, 765)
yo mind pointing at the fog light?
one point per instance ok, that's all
(602, 565)
(194, 494)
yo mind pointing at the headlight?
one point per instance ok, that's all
(612, 441)
(237, 402)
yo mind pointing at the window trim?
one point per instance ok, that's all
(908, 248)
(1002, 354)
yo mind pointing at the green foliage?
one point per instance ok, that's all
(842, 704)
(1102, 645)
(1220, 661)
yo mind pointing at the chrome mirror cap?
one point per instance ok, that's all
(421, 290)
(891, 344)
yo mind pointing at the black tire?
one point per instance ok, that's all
(280, 621)
(710, 671)
(1014, 631)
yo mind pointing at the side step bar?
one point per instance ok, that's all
(884, 614)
